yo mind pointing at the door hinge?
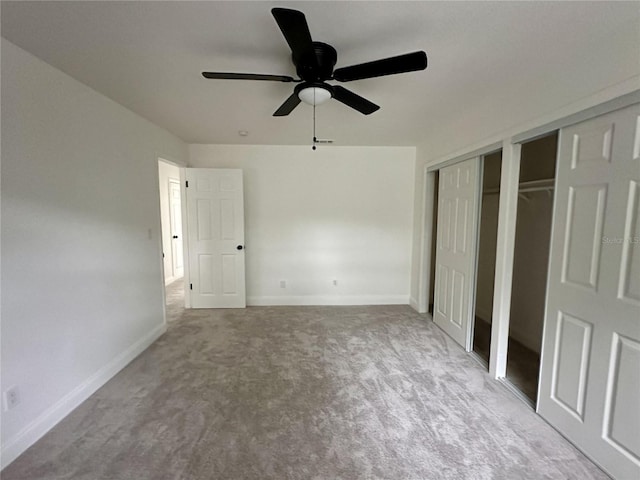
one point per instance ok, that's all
(191, 286)
(187, 182)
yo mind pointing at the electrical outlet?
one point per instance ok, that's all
(283, 284)
(11, 398)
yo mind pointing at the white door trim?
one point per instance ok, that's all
(478, 152)
(185, 248)
(185, 237)
(505, 247)
(426, 240)
(581, 116)
(172, 183)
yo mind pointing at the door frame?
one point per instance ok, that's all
(175, 181)
(508, 203)
(182, 179)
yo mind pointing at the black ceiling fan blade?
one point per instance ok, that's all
(247, 76)
(409, 62)
(353, 100)
(293, 25)
(287, 107)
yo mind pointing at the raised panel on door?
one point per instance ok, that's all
(570, 363)
(442, 291)
(203, 219)
(457, 220)
(216, 238)
(621, 425)
(462, 224)
(590, 371)
(583, 238)
(458, 298)
(629, 284)
(446, 223)
(206, 274)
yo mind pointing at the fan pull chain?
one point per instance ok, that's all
(314, 121)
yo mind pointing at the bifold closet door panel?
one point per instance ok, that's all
(458, 193)
(590, 373)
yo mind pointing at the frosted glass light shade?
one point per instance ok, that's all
(314, 95)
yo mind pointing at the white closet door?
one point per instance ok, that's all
(458, 192)
(215, 216)
(590, 373)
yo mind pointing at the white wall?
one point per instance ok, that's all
(343, 213)
(81, 260)
(166, 172)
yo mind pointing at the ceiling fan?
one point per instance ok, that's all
(314, 62)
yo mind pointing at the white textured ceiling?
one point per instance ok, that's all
(483, 56)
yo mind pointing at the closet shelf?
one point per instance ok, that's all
(536, 185)
(525, 187)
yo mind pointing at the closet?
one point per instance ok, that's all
(530, 266)
(488, 232)
(565, 336)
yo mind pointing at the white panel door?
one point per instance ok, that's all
(590, 372)
(175, 214)
(458, 192)
(215, 218)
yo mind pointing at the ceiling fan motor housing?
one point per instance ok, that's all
(316, 66)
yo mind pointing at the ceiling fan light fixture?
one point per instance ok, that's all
(314, 95)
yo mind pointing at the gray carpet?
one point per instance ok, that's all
(302, 393)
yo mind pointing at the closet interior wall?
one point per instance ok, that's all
(531, 259)
(487, 254)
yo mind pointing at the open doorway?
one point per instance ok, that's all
(172, 243)
(530, 263)
(487, 244)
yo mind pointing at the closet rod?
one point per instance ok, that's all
(536, 189)
(524, 187)
(522, 190)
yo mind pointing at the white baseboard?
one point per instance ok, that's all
(15, 446)
(328, 300)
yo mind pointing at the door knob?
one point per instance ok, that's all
(239, 247)
(175, 236)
